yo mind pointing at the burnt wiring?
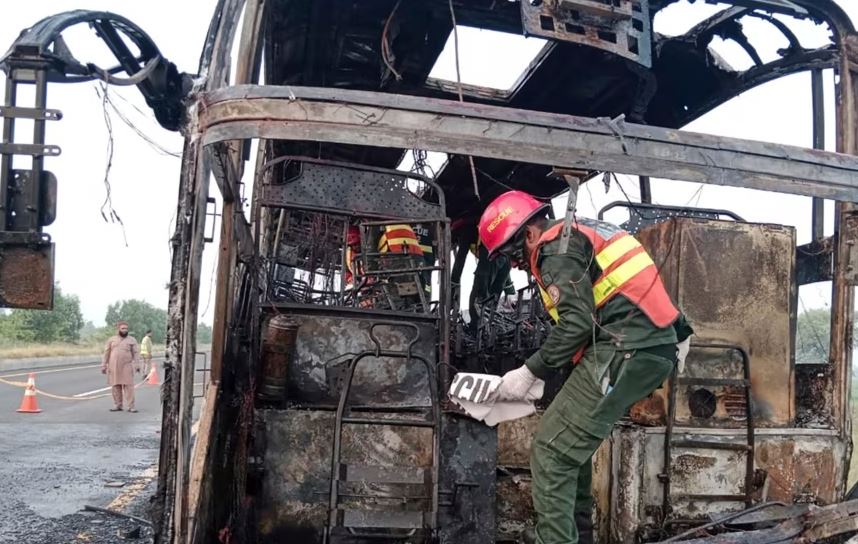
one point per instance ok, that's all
(145, 137)
(386, 53)
(420, 166)
(108, 199)
(459, 89)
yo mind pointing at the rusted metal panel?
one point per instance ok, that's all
(602, 476)
(745, 301)
(325, 345)
(27, 276)
(297, 464)
(514, 440)
(467, 482)
(377, 119)
(514, 505)
(794, 465)
(629, 446)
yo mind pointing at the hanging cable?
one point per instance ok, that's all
(459, 88)
(145, 137)
(108, 200)
(386, 53)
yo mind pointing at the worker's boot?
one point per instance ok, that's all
(584, 522)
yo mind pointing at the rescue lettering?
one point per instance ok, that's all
(501, 216)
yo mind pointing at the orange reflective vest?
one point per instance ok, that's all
(627, 269)
(399, 239)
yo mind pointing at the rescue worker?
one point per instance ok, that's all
(491, 277)
(613, 319)
(401, 239)
(426, 241)
(146, 352)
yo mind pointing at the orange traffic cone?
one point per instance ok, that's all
(153, 375)
(29, 405)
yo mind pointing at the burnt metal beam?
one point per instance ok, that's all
(846, 219)
(818, 99)
(171, 502)
(377, 119)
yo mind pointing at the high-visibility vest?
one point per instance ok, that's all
(146, 346)
(424, 238)
(399, 239)
(627, 269)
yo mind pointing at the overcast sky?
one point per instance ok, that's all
(92, 259)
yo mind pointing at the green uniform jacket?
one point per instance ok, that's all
(618, 323)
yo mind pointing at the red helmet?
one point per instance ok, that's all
(505, 216)
(353, 238)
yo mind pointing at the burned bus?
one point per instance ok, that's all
(337, 329)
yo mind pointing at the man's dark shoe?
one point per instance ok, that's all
(584, 522)
(132, 411)
(528, 536)
(116, 409)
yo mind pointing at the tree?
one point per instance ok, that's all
(812, 336)
(141, 316)
(62, 324)
(89, 333)
(204, 334)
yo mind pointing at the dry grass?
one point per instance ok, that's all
(24, 351)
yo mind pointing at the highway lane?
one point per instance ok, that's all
(68, 382)
(54, 462)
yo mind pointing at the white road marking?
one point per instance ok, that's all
(37, 372)
(64, 369)
(96, 391)
(93, 392)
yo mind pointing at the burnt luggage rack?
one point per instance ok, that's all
(670, 442)
(394, 488)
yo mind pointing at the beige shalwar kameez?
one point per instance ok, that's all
(121, 357)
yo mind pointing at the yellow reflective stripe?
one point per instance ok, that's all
(615, 250)
(426, 249)
(400, 241)
(549, 305)
(623, 273)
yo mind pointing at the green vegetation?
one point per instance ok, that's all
(63, 332)
(811, 336)
(63, 324)
(141, 317)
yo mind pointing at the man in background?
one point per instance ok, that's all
(146, 352)
(121, 357)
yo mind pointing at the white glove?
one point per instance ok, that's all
(516, 383)
(507, 304)
(682, 349)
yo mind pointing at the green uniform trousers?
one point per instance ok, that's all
(575, 424)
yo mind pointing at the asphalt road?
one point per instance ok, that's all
(74, 453)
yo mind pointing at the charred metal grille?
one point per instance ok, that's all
(341, 189)
(621, 27)
(311, 245)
